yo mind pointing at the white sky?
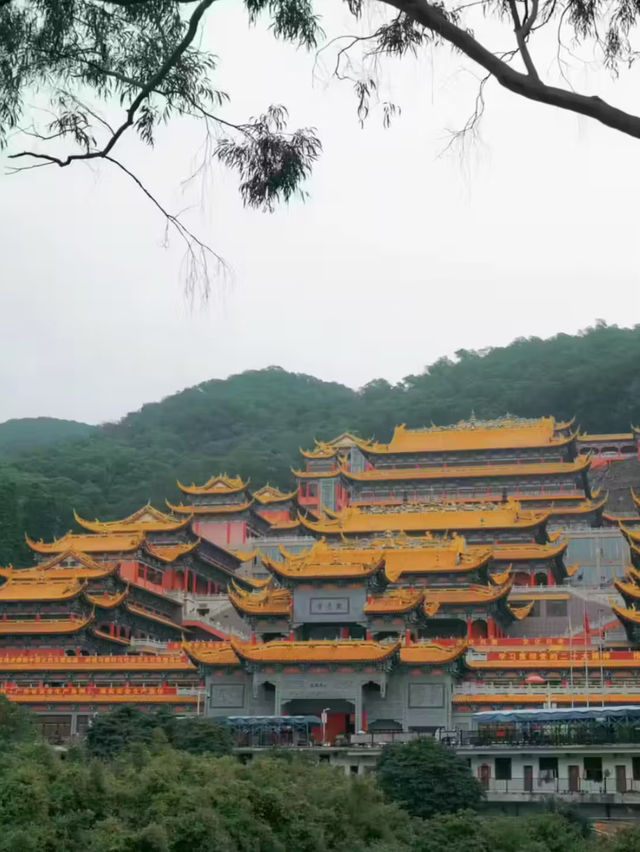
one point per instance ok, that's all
(400, 255)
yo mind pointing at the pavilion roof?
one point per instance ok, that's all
(580, 463)
(339, 568)
(209, 509)
(472, 594)
(636, 499)
(582, 508)
(628, 588)
(67, 565)
(431, 653)
(503, 433)
(328, 449)
(145, 519)
(89, 543)
(627, 615)
(266, 601)
(394, 600)
(105, 600)
(41, 588)
(23, 626)
(220, 484)
(211, 653)
(604, 437)
(526, 551)
(440, 517)
(269, 494)
(316, 651)
(170, 552)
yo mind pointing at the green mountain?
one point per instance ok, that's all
(254, 423)
(29, 432)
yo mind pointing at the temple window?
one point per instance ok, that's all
(557, 609)
(593, 768)
(503, 769)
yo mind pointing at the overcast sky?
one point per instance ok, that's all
(400, 255)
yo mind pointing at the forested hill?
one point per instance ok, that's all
(30, 432)
(254, 423)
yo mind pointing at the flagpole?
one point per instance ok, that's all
(586, 653)
(571, 657)
(601, 633)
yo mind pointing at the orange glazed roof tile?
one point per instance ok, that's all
(308, 569)
(107, 601)
(50, 626)
(636, 498)
(267, 601)
(582, 508)
(393, 600)
(626, 614)
(328, 449)
(402, 554)
(211, 509)
(517, 552)
(211, 653)
(87, 543)
(315, 474)
(430, 653)
(521, 612)
(320, 651)
(586, 438)
(466, 595)
(45, 589)
(170, 552)
(469, 471)
(269, 494)
(626, 589)
(20, 661)
(220, 484)
(436, 517)
(632, 534)
(504, 433)
(146, 519)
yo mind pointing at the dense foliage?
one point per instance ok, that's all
(427, 779)
(254, 424)
(152, 797)
(116, 731)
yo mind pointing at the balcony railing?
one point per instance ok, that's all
(547, 736)
(544, 785)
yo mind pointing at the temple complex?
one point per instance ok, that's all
(398, 586)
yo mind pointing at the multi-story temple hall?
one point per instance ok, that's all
(397, 587)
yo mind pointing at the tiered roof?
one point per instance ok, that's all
(209, 508)
(265, 601)
(315, 651)
(338, 567)
(216, 485)
(90, 543)
(503, 433)
(484, 471)
(268, 494)
(436, 517)
(145, 519)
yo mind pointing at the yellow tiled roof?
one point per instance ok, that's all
(212, 653)
(505, 433)
(430, 653)
(170, 552)
(41, 589)
(268, 494)
(220, 484)
(526, 551)
(211, 509)
(104, 600)
(318, 651)
(438, 517)
(469, 471)
(307, 569)
(146, 519)
(24, 626)
(90, 543)
(267, 601)
(393, 600)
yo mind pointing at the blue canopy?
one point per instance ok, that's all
(564, 714)
(271, 721)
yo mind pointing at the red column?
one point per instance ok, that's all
(186, 579)
(194, 583)
(469, 627)
(491, 628)
(209, 584)
(344, 632)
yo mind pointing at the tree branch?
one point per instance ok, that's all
(148, 88)
(521, 84)
(522, 44)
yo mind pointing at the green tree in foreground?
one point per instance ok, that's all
(16, 724)
(116, 731)
(427, 779)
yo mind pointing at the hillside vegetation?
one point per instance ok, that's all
(254, 423)
(30, 432)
